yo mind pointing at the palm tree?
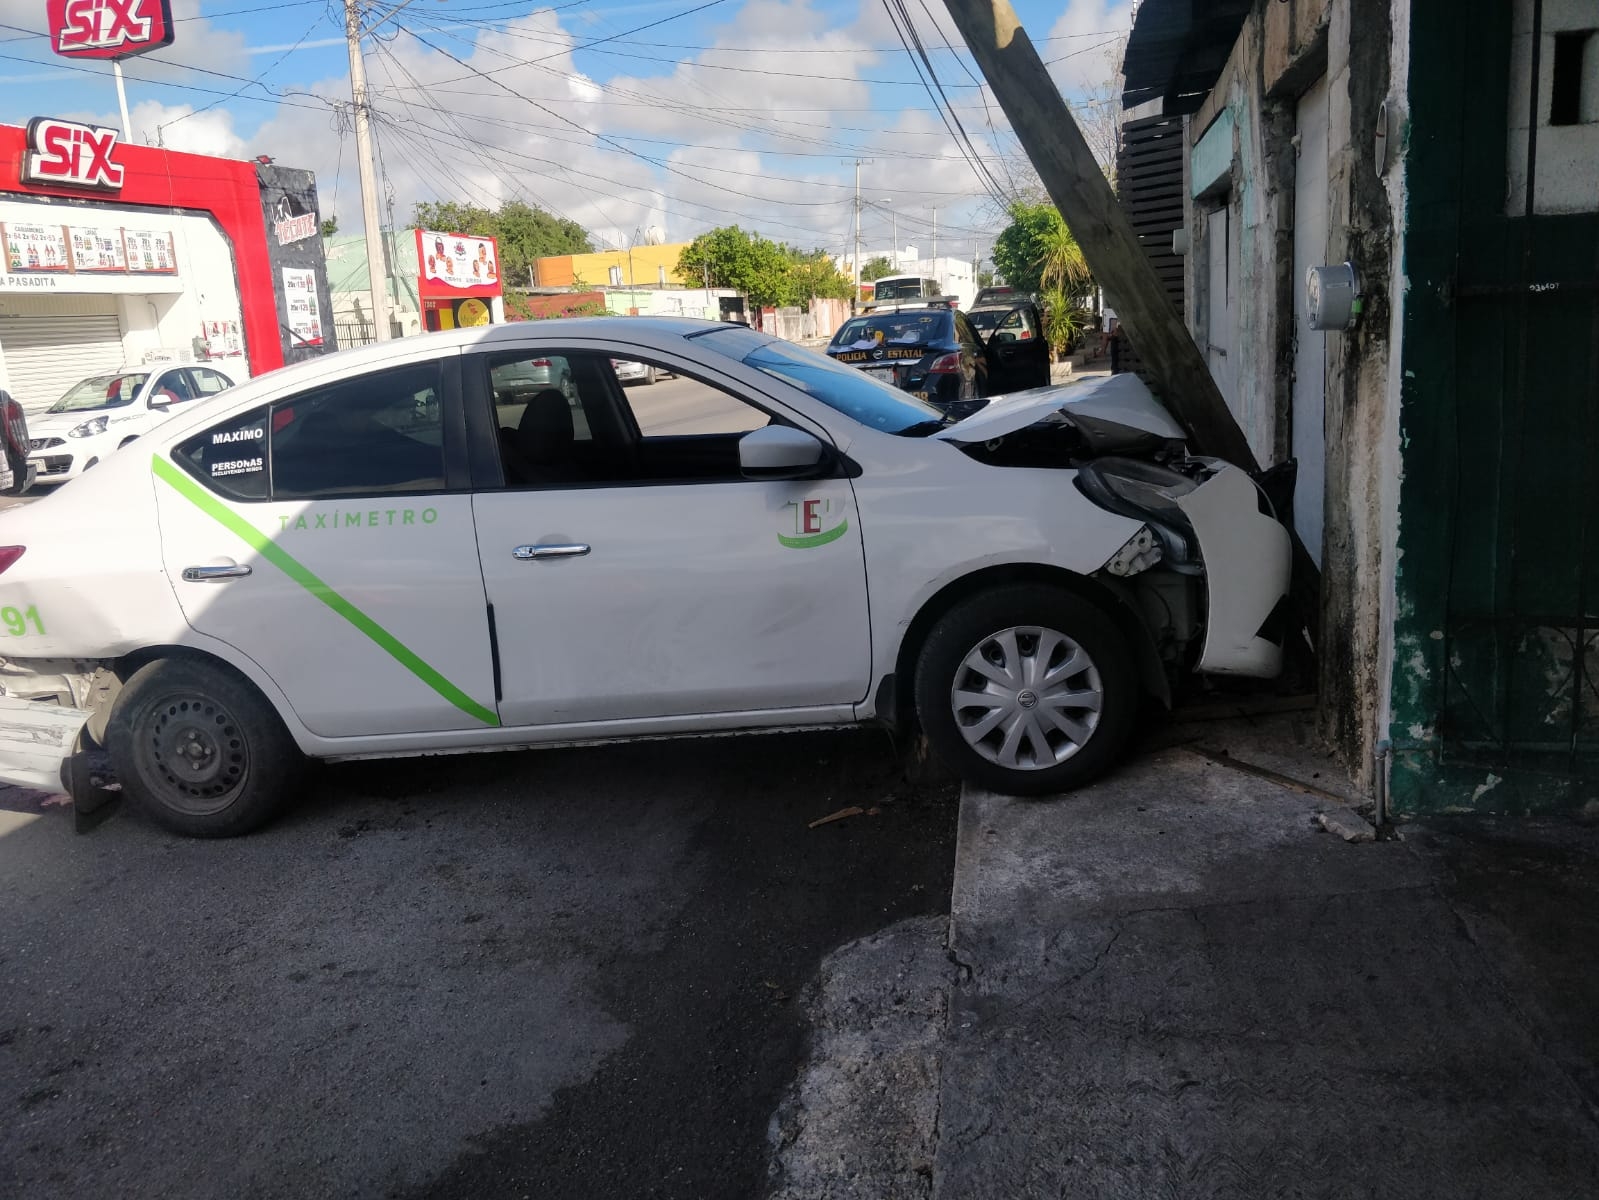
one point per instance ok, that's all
(1064, 267)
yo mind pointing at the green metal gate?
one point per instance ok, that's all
(1496, 672)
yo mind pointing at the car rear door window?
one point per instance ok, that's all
(231, 458)
(208, 382)
(378, 434)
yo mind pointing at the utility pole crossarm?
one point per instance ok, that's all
(1050, 136)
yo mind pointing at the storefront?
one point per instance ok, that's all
(458, 280)
(117, 255)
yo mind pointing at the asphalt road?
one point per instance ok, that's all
(557, 974)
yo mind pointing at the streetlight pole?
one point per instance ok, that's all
(855, 296)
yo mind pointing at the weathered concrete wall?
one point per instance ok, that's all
(1285, 47)
(1252, 190)
(1359, 421)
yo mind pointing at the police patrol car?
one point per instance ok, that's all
(410, 549)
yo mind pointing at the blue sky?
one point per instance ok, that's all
(746, 111)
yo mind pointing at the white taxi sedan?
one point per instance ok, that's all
(104, 413)
(411, 549)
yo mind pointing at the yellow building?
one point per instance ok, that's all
(642, 266)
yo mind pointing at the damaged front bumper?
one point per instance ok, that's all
(37, 743)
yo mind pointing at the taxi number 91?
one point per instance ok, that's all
(16, 620)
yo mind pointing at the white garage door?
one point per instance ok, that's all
(47, 355)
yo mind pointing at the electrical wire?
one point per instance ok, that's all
(899, 16)
(272, 66)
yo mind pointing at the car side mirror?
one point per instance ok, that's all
(159, 402)
(779, 452)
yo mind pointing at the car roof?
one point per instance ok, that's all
(374, 355)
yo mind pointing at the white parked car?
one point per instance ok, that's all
(106, 412)
(375, 554)
(629, 371)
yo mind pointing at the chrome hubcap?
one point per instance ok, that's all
(1027, 698)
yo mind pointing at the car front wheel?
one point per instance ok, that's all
(200, 750)
(1027, 690)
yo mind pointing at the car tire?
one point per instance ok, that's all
(649, 375)
(241, 762)
(1019, 636)
(568, 389)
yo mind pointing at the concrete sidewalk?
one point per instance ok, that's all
(1175, 983)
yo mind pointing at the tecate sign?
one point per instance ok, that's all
(109, 28)
(65, 153)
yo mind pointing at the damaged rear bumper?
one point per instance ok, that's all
(36, 743)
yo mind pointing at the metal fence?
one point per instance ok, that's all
(353, 333)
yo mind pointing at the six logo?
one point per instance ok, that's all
(109, 28)
(64, 152)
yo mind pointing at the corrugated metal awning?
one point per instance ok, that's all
(1178, 49)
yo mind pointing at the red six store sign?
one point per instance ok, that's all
(109, 28)
(65, 153)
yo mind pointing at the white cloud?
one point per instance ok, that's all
(1088, 40)
(177, 128)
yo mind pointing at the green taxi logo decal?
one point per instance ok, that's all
(311, 582)
(809, 518)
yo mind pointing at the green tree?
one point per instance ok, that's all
(1037, 252)
(330, 226)
(874, 269)
(523, 231)
(767, 272)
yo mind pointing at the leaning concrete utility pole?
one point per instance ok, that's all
(369, 179)
(1044, 126)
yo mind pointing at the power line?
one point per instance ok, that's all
(665, 166)
(275, 63)
(598, 41)
(899, 16)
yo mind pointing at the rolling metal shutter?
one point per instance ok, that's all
(47, 355)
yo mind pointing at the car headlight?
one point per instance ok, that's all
(89, 428)
(1147, 492)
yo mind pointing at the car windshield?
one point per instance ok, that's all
(892, 289)
(103, 391)
(854, 393)
(923, 327)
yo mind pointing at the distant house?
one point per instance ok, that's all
(641, 266)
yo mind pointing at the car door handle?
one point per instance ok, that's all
(568, 550)
(201, 574)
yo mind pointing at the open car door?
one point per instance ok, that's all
(1018, 352)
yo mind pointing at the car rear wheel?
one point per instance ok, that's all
(1027, 690)
(200, 750)
(649, 375)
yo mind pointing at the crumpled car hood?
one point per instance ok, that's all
(1116, 399)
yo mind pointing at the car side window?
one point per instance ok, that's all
(231, 458)
(965, 331)
(685, 407)
(593, 430)
(208, 382)
(173, 387)
(379, 433)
